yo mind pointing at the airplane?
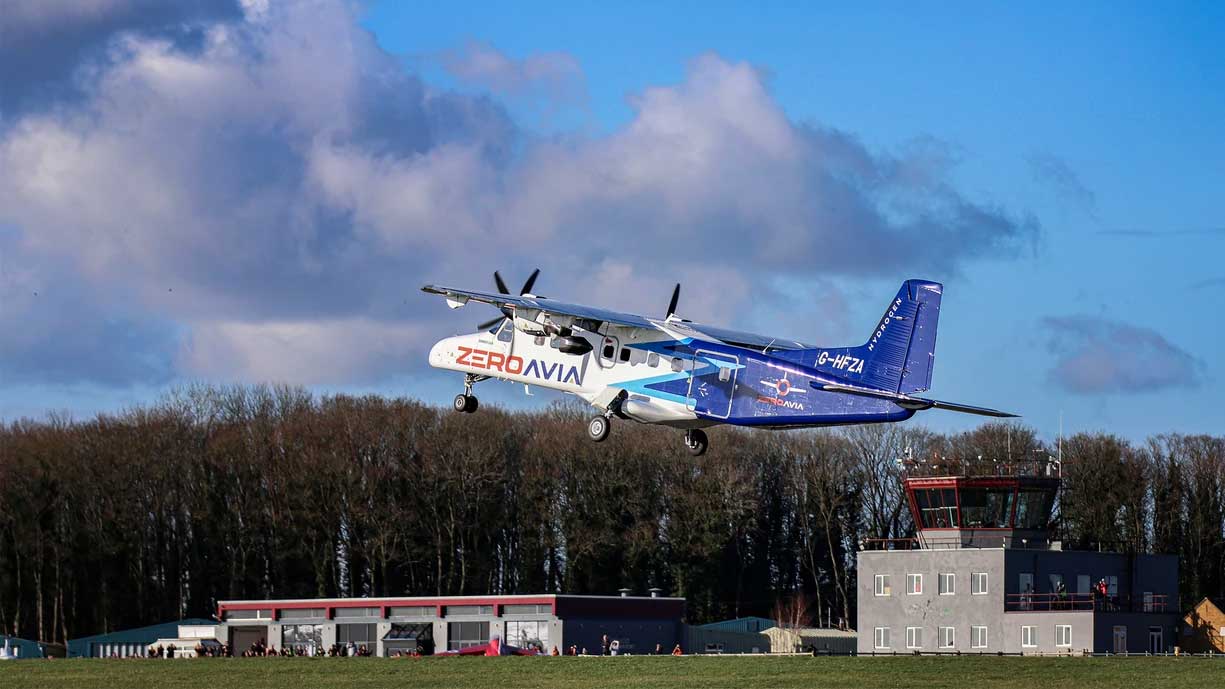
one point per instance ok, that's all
(674, 372)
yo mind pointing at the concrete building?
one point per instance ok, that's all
(387, 625)
(984, 575)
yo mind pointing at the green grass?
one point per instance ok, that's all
(623, 672)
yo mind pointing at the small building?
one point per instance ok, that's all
(128, 642)
(13, 648)
(985, 575)
(1204, 627)
(820, 640)
(386, 626)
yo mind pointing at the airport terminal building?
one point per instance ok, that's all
(985, 575)
(385, 626)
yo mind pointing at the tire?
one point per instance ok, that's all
(696, 442)
(472, 404)
(597, 428)
(460, 404)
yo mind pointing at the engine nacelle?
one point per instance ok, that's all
(573, 345)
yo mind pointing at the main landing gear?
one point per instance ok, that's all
(598, 427)
(466, 403)
(696, 442)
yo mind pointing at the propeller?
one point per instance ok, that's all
(501, 285)
(676, 296)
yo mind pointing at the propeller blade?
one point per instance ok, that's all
(497, 279)
(676, 297)
(489, 324)
(531, 280)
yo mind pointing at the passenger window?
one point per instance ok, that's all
(555, 342)
(539, 340)
(608, 351)
(725, 374)
(677, 365)
(506, 333)
(653, 360)
(625, 354)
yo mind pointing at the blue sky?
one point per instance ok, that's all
(243, 193)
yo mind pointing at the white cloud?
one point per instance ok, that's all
(284, 178)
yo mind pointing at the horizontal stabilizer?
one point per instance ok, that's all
(908, 402)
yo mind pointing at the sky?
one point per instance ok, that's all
(243, 191)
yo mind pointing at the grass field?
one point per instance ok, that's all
(622, 673)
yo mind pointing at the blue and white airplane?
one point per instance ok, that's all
(674, 372)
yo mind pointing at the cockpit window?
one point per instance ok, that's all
(506, 332)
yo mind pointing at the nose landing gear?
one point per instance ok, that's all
(466, 403)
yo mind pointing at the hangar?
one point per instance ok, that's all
(385, 626)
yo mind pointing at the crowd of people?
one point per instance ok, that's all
(260, 649)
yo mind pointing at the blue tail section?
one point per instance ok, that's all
(899, 355)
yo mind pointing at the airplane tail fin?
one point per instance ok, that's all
(899, 354)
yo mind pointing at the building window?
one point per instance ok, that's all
(461, 635)
(881, 582)
(1056, 582)
(978, 583)
(882, 637)
(914, 584)
(914, 637)
(1063, 635)
(469, 610)
(948, 583)
(528, 634)
(978, 637)
(247, 615)
(527, 609)
(307, 638)
(948, 637)
(301, 613)
(1082, 583)
(1029, 636)
(412, 611)
(360, 635)
(356, 612)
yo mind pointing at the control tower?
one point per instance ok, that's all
(986, 573)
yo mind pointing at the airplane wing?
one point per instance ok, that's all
(738, 338)
(909, 402)
(459, 297)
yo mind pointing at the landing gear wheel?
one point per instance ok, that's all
(464, 403)
(597, 428)
(695, 442)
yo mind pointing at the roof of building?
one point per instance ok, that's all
(149, 634)
(25, 648)
(742, 624)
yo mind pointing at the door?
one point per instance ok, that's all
(242, 638)
(1156, 642)
(1120, 639)
(712, 383)
(608, 351)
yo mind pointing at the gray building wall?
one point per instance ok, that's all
(930, 610)
(1091, 631)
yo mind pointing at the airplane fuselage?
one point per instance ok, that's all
(678, 381)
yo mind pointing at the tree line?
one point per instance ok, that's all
(218, 493)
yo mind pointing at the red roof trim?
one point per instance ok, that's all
(331, 603)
